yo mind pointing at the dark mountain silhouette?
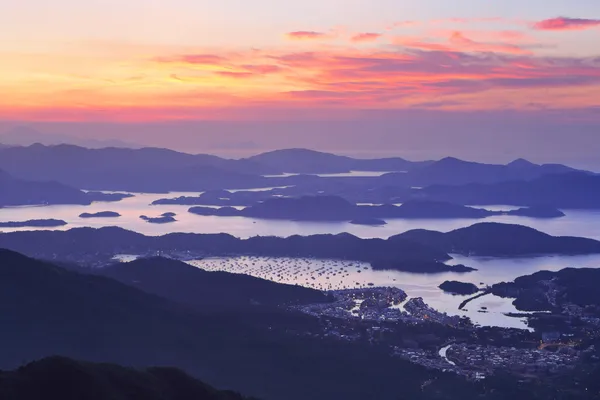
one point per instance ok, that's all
(335, 208)
(98, 246)
(67, 379)
(19, 192)
(307, 161)
(178, 281)
(569, 190)
(493, 239)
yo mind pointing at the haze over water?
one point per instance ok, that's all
(583, 223)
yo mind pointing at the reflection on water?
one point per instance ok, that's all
(576, 223)
(336, 274)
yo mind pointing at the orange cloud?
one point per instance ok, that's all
(365, 37)
(566, 24)
(306, 35)
(202, 59)
(466, 70)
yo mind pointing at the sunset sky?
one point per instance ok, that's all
(155, 61)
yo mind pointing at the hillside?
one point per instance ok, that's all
(571, 190)
(97, 247)
(205, 290)
(452, 171)
(305, 161)
(66, 379)
(146, 169)
(46, 310)
(20, 192)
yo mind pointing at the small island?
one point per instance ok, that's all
(537, 212)
(101, 214)
(164, 218)
(368, 222)
(34, 223)
(459, 288)
(107, 197)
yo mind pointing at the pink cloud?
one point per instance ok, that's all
(566, 24)
(306, 35)
(457, 41)
(365, 37)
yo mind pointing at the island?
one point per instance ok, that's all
(108, 197)
(459, 288)
(164, 218)
(20, 192)
(500, 240)
(77, 244)
(368, 222)
(101, 214)
(336, 208)
(553, 291)
(34, 223)
(537, 212)
(571, 190)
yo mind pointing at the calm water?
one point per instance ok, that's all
(336, 274)
(576, 223)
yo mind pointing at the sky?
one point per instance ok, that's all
(351, 75)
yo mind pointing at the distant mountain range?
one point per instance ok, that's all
(77, 244)
(304, 161)
(162, 170)
(26, 136)
(575, 190)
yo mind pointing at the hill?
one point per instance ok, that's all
(20, 192)
(552, 291)
(210, 291)
(569, 190)
(493, 239)
(452, 171)
(96, 247)
(66, 379)
(305, 161)
(146, 169)
(46, 310)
